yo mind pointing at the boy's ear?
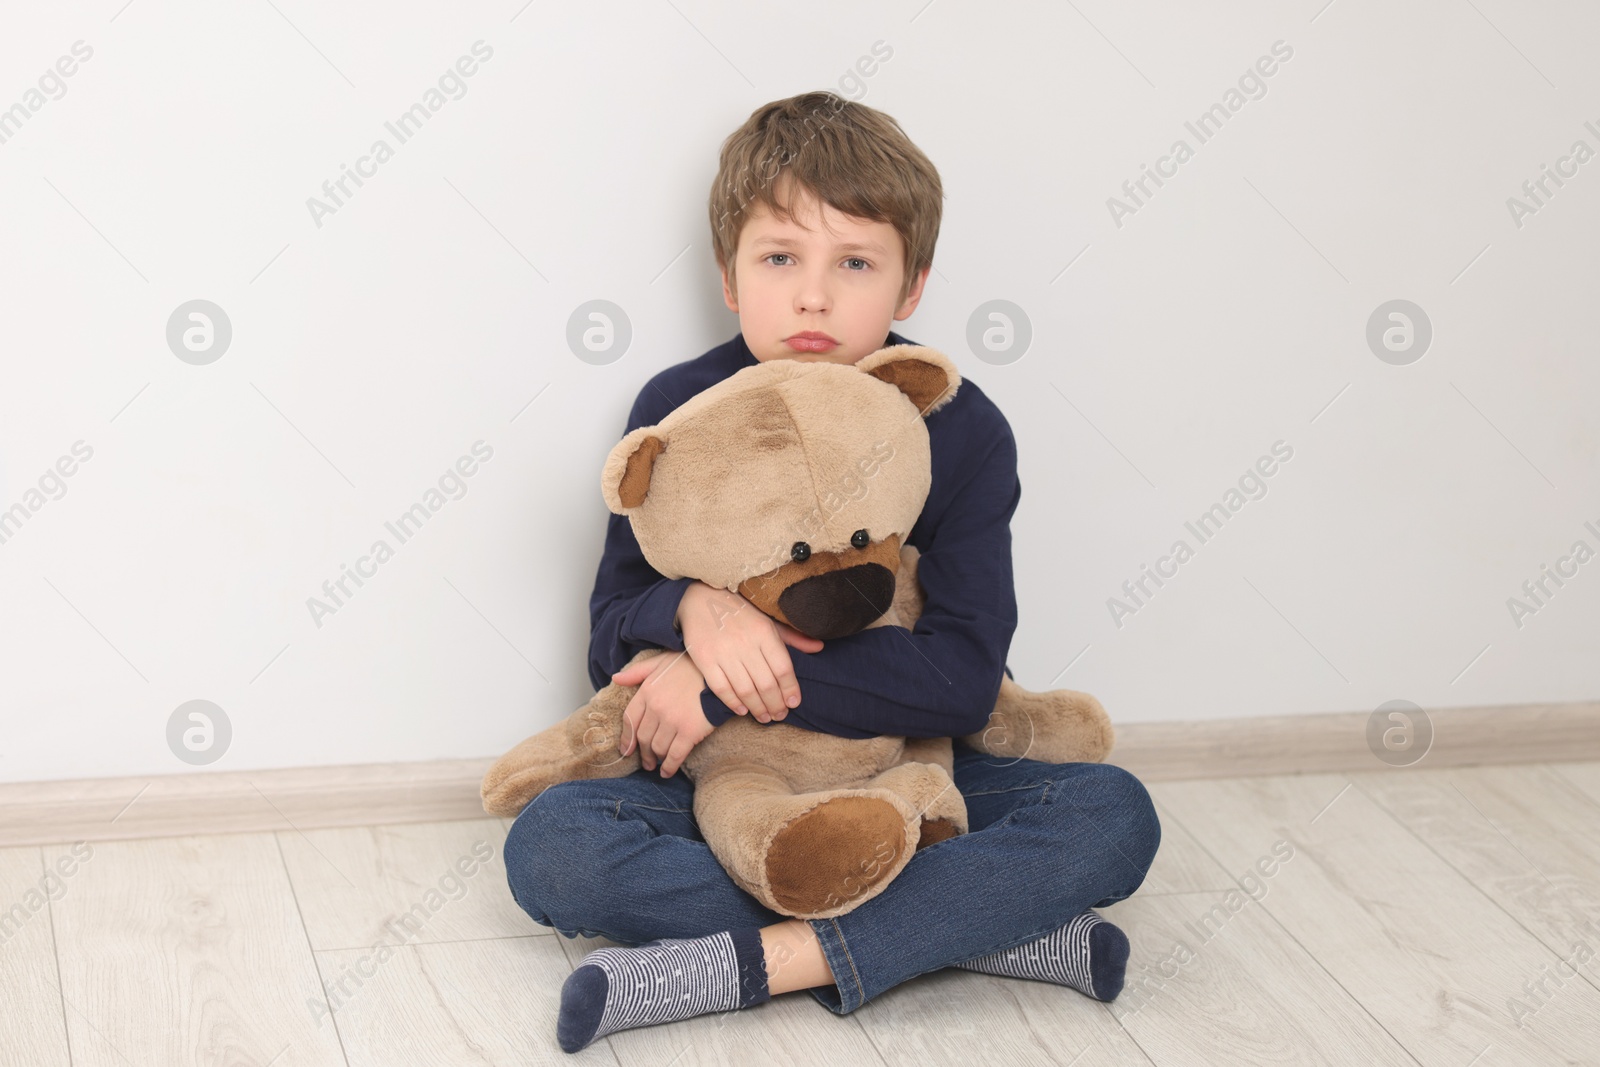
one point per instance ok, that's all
(730, 296)
(913, 295)
(929, 379)
(625, 480)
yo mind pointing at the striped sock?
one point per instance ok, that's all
(661, 981)
(1089, 954)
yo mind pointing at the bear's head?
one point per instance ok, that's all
(791, 483)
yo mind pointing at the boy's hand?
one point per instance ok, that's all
(664, 716)
(741, 651)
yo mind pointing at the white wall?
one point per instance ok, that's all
(370, 353)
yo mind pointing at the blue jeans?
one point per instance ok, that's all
(622, 858)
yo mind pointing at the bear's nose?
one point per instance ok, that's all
(838, 603)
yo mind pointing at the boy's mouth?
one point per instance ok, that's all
(811, 341)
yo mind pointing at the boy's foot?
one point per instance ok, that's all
(1089, 954)
(661, 981)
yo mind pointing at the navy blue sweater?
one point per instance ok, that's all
(939, 679)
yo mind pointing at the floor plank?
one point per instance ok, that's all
(479, 1003)
(419, 883)
(1181, 865)
(1000, 1020)
(1525, 836)
(1212, 978)
(1586, 776)
(1415, 943)
(188, 950)
(34, 1031)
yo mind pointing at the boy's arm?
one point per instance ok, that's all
(633, 604)
(941, 678)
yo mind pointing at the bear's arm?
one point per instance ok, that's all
(940, 679)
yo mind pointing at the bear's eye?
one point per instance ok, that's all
(800, 552)
(860, 539)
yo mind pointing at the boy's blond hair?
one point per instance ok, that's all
(852, 157)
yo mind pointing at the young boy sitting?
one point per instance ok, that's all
(824, 217)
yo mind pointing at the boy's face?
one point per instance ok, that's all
(828, 274)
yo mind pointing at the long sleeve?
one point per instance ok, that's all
(942, 677)
(632, 605)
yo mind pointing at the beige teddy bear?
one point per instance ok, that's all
(835, 457)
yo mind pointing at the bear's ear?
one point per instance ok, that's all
(625, 481)
(927, 377)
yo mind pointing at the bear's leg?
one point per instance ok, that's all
(932, 794)
(809, 855)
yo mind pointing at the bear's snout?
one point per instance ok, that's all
(838, 603)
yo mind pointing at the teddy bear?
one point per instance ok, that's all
(796, 484)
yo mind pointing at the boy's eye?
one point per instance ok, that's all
(783, 254)
(858, 259)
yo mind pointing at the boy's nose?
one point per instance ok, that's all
(838, 603)
(812, 297)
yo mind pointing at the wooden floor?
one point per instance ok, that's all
(1429, 917)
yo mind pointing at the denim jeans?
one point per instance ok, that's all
(622, 858)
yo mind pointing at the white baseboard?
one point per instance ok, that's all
(1337, 741)
(304, 798)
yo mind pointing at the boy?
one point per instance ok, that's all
(824, 217)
